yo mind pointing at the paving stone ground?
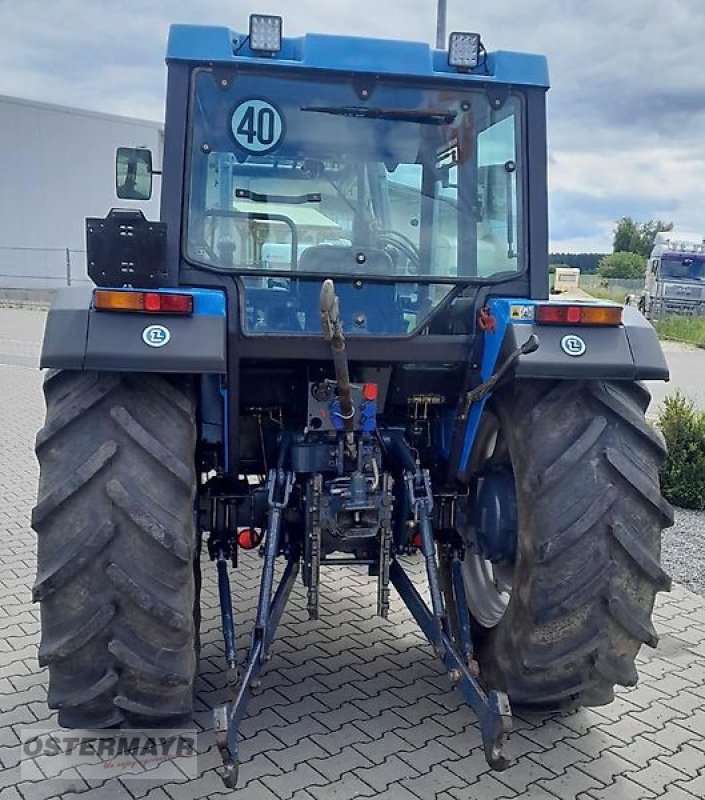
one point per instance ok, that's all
(352, 706)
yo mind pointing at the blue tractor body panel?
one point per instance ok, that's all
(203, 44)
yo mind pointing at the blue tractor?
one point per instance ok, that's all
(337, 347)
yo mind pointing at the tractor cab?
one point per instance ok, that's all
(398, 170)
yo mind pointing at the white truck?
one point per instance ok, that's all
(675, 276)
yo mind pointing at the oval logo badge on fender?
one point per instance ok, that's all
(573, 345)
(156, 335)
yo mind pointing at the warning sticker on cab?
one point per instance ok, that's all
(257, 126)
(525, 313)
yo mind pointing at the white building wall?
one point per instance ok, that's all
(57, 167)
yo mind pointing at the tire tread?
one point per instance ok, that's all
(116, 543)
(590, 515)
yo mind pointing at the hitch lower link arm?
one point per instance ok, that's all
(227, 717)
(493, 710)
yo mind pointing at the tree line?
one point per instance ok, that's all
(585, 262)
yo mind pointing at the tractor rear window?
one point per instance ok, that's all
(296, 175)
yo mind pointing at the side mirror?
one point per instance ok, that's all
(133, 173)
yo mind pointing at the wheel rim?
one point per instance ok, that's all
(488, 586)
(487, 590)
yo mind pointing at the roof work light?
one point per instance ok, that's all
(464, 50)
(265, 33)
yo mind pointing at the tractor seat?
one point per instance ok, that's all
(371, 309)
(367, 308)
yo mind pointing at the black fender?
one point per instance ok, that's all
(79, 337)
(630, 351)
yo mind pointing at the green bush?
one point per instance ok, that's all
(683, 474)
(622, 265)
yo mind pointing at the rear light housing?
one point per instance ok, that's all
(142, 302)
(578, 314)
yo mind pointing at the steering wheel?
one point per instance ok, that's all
(402, 244)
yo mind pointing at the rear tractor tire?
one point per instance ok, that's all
(589, 520)
(116, 548)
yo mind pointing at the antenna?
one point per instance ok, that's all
(441, 24)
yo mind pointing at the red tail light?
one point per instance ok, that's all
(559, 314)
(144, 302)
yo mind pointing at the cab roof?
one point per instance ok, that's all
(205, 44)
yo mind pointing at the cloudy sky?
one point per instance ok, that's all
(626, 111)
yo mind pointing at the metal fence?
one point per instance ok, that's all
(42, 267)
(615, 285)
